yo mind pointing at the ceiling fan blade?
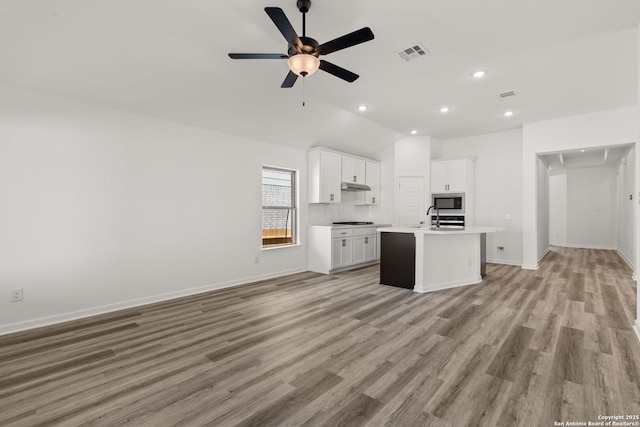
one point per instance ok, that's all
(338, 71)
(359, 36)
(282, 22)
(257, 56)
(290, 80)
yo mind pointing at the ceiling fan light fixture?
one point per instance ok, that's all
(303, 64)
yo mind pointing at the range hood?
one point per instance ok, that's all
(352, 186)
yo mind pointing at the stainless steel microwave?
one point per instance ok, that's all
(449, 203)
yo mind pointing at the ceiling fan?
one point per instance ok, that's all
(303, 52)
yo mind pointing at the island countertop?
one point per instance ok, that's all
(428, 260)
(474, 229)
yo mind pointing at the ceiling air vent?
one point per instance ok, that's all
(507, 94)
(413, 52)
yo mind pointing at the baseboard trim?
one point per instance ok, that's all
(535, 266)
(625, 259)
(448, 286)
(109, 308)
(633, 271)
(576, 246)
(504, 262)
(546, 251)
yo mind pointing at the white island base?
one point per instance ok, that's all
(446, 259)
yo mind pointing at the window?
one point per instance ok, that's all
(278, 207)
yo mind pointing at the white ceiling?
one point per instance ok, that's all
(602, 156)
(168, 59)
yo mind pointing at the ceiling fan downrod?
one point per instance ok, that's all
(303, 7)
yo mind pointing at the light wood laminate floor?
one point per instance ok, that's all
(524, 348)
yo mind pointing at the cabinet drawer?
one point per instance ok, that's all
(342, 232)
(364, 231)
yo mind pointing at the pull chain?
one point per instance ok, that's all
(303, 97)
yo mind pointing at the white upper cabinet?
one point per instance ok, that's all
(353, 170)
(328, 169)
(451, 176)
(439, 177)
(372, 179)
(325, 169)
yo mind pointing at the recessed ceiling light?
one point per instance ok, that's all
(413, 132)
(444, 109)
(479, 74)
(508, 113)
(362, 108)
(582, 151)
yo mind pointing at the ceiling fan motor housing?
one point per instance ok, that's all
(308, 46)
(303, 5)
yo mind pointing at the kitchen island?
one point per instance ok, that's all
(443, 258)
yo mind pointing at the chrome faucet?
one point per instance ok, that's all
(437, 215)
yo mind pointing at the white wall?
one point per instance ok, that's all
(626, 207)
(558, 208)
(412, 156)
(612, 127)
(498, 184)
(542, 188)
(103, 209)
(591, 206)
(636, 213)
(583, 207)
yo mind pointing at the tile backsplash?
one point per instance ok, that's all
(347, 210)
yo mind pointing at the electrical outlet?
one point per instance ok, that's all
(500, 248)
(16, 294)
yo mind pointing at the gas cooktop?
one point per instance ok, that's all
(353, 223)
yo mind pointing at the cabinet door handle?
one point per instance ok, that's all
(331, 197)
(344, 232)
(366, 240)
(373, 200)
(344, 242)
(355, 178)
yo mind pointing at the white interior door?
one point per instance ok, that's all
(411, 201)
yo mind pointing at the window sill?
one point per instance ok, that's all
(276, 247)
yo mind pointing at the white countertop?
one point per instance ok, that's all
(337, 226)
(475, 229)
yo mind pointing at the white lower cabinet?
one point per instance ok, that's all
(339, 248)
(364, 245)
(341, 252)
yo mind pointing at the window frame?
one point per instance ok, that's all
(293, 207)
